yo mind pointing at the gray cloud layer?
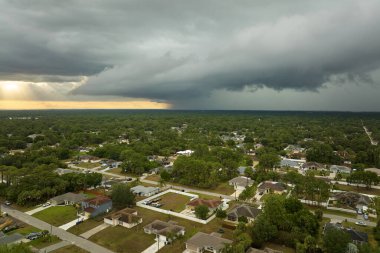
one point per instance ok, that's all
(179, 51)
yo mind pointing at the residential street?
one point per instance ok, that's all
(341, 218)
(62, 234)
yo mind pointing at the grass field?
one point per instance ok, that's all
(25, 230)
(71, 249)
(57, 215)
(173, 201)
(134, 240)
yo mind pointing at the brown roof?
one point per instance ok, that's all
(210, 203)
(163, 228)
(244, 211)
(89, 209)
(276, 186)
(202, 240)
(127, 215)
(98, 200)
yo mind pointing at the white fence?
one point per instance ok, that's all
(180, 215)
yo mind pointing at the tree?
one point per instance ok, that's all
(221, 214)
(335, 240)
(201, 212)
(319, 214)
(263, 230)
(16, 248)
(122, 196)
(268, 161)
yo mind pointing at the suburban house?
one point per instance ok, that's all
(291, 163)
(202, 242)
(165, 232)
(340, 169)
(68, 199)
(127, 218)
(212, 204)
(265, 250)
(246, 211)
(185, 152)
(141, 190)
(313, 166)
(352, 199)
(95, 206)
(356, 236)
(294, 149)
(271, 186)
(89, 159)
(375, 170)
(240, 183)
(61, 171)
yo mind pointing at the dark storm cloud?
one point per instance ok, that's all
(183, 50)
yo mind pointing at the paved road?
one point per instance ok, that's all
(62, 234)
(341, 218)
(54, 247)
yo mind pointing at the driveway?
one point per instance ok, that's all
(342, 218)
(73, 222)
(154, 247)
(95, 230)
(62, 234)
(36, 210)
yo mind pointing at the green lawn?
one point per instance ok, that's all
(133, 240)
(86, 226)
(43, 242)
(71, 249)
(57, 215)
(173, 201)
(25, 230)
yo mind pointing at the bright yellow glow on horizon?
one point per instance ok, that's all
(10, 87)
(45, 105)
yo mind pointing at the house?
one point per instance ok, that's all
(141, 190)
(185, 152)
(11, 239)
(271, 186)
(352, 199)
(340, 169)
(294, 149)
(375, 170)
(95, 206)
(240, 183)
(312, 166)
(202, 242)
(246, 211)
(88, 159)
(165, 232)
(291, 163)
(265, 250)
(212, 204)
(61, 171)
(68, 199)
(357, 237)
(127, 218)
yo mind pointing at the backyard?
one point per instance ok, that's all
(57, 215)
(174, 201)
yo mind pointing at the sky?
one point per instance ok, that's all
(174, 54)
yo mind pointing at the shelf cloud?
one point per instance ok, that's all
(183, 51)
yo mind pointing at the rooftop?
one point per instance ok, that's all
(203, 240)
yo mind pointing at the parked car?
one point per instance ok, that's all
(361, 223)
(8, 203)
(365, 216)
(46, 204)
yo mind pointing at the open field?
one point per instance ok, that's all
(71, 249)
(174, 202)
(116, 238)
(57, 215)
